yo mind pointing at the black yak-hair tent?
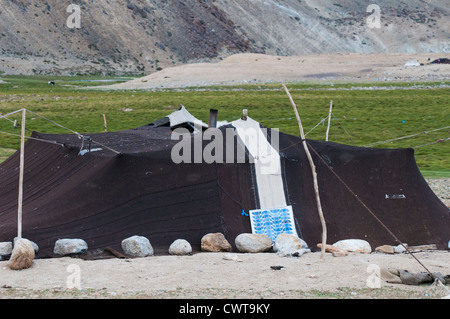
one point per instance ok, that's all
(441, 61)
(106, 187)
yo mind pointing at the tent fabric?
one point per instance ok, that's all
(268, 175)
(182, 116)
(441, 61)
(104, 197)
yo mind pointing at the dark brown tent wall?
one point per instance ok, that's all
(103, 197)
(388, 181)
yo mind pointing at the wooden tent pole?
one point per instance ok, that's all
(105, 124)
(22, 160)
(313, 170)
(329, 120)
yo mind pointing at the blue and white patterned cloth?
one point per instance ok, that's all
(273, 222)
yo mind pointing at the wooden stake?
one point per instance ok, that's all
(104, 121)
(329, 121)
(22, 160)
(313, 170)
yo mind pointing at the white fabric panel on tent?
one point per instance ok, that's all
(182, 116)
(267, 163)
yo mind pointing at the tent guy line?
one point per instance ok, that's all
(435, 142)
(368, 209)
(33, 138)
(80, 136)
(405, 137)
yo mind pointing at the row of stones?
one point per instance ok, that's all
(139, 246)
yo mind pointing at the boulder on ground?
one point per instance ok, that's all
(180, 247)
(253, 243)
(22, 255)
(288, 244)
(35, 246)
(400, 248)
(386, 249)
(215, 242)
(6, 248)
(137, 246)
(354, 245)
(70, 246)
(335, 251)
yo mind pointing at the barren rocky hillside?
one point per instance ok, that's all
(143, 36)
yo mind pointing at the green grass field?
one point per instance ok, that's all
(360, 117)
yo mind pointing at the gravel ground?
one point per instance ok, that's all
(441, 188)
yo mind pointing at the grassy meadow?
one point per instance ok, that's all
(360, 117)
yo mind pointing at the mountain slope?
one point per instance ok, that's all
(142, 36)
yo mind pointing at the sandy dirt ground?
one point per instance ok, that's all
(258, 68)
(224, 275)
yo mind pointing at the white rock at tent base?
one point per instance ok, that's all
(5, 248)
(137, 246)
(22, 255)
(400, 248)
(180, 247)
(253, 243)
(70, 246)
(287, 244)
(354, 245)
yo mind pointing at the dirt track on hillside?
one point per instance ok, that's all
(257, 68)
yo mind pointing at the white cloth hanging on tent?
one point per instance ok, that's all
(267, 163)
(183, 116)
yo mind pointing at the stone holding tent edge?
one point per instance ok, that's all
(5, 248)
(35, 246)
(180, 247)
(68, 246)
(290, 245)
(22, 255)
(337, 252)
(137, 246)
(354, 245)
(253, 243)
(215, 242)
